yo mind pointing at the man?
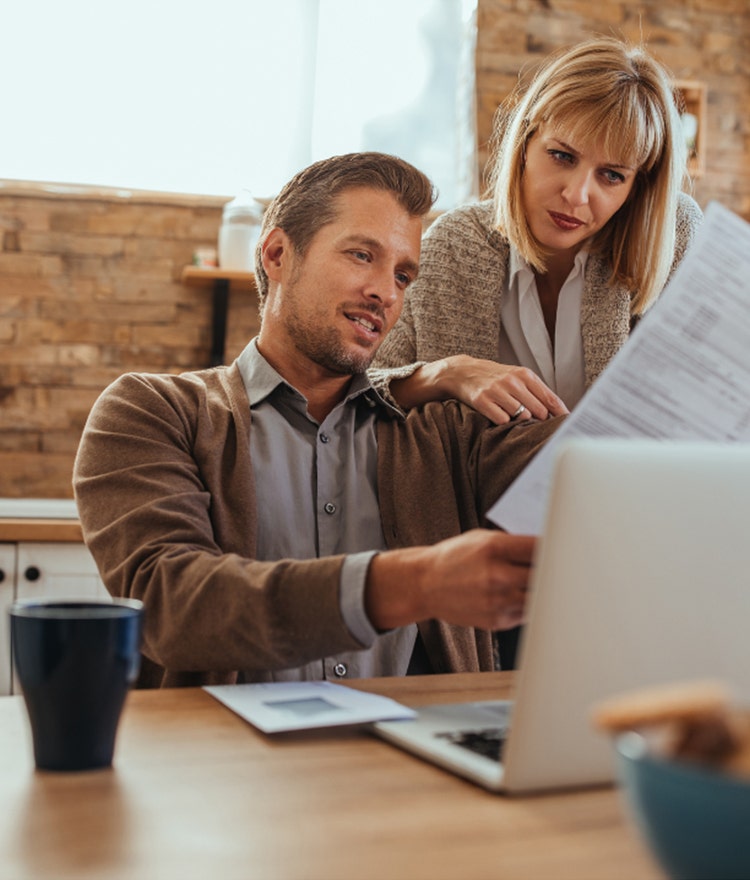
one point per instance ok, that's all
(278, 519)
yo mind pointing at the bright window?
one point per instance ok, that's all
(182, 96)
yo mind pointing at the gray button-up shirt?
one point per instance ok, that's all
(316, 494)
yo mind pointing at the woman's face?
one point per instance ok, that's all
(570, 190)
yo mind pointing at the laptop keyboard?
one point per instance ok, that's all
(488, 742)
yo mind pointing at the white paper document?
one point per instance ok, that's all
(684, 374)
(276, 707)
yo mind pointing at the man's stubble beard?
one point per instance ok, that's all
(326, 350)
(323, 346)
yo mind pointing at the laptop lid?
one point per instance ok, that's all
(640, 578)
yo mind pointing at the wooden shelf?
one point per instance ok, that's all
(220, 281)
(198, 276)
(693, 101)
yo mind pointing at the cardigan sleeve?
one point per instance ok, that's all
(164, 489)
(453, 307)
(689, 219)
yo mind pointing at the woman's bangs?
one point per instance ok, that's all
(625, 131)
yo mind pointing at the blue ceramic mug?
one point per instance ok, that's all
(75, 662)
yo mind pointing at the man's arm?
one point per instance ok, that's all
(476, 579)
(164, 489)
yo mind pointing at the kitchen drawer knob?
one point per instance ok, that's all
(32, 573)
(2, 575)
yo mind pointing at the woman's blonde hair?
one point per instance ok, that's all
(620, 97)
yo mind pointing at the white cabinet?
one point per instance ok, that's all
(57, 571)
(44, 570)
(7, 593)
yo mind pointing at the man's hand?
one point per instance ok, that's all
(476, 579)
(498, 391)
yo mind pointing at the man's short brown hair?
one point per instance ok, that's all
(308, 201)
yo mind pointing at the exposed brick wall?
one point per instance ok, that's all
(90, 288)
(90, 279)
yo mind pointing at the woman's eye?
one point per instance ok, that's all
(561, 156)
(613, 176)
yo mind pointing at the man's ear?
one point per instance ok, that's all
(275, 251)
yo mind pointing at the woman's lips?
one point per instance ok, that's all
(565, 221)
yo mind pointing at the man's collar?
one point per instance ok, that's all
(261, 380)
(259, 376)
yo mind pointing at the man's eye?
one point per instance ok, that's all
(361, 255)
(402, 279)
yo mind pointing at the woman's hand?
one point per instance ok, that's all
(501, 392)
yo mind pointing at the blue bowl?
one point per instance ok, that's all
(696, 820)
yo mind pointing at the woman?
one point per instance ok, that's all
(522, 300)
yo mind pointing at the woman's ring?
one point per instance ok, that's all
(518, 412)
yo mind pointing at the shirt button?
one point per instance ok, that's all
(339, 670)
(324, 438)
(329, 508)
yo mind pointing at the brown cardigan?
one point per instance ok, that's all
(165, 492)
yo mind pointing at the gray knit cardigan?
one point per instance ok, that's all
(454, 305)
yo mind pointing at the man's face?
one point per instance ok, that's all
(333, 306)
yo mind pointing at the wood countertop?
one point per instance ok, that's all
(40, 529)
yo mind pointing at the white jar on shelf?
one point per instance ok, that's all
(239, 231)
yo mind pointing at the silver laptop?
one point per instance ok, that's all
(642, 577)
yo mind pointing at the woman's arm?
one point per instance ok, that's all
(445, 342)
(495, 390)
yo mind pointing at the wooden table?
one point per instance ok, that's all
(196, 792)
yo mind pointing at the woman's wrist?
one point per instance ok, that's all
(432, 381)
